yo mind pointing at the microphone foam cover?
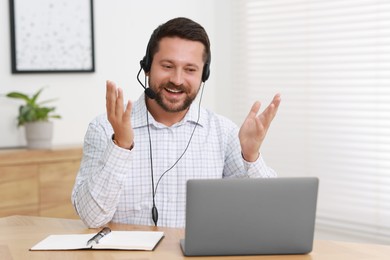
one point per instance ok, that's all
(150, 93)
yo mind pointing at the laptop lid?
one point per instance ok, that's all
(250, 216)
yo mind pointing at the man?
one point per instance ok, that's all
(137, 158)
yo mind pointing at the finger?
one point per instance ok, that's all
(276, 100)
(255, 109)
(267, 115)
(119, 103)
(274, 105)
(110, 98)
(129, 108)
(270, 112)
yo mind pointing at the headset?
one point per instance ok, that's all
(145, 65)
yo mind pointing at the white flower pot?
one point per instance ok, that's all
(39, 134)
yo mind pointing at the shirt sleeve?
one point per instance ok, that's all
(100, 178)
(258, 169)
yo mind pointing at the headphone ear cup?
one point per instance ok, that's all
(145, 64)
(206, 72)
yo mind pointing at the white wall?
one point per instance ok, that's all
(122, 30)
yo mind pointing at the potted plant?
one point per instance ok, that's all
(35, 117)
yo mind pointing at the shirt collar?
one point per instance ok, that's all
(139, 115)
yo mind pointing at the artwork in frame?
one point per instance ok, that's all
(49, 36)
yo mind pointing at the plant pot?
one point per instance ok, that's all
(39, 134)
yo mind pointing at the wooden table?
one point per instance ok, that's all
(19, 233)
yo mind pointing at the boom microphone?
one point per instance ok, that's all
(148, 91)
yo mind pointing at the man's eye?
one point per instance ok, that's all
(167, 66)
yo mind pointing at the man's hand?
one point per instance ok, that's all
(119, 117)
(255, 127)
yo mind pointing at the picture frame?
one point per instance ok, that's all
(52, 36)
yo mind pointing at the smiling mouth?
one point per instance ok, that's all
(174, 91)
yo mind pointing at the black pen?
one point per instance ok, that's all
(95, 239)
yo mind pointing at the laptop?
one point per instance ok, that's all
(250, 216)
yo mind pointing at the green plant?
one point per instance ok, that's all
(33, 110)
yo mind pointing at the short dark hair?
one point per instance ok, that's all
(178, 27)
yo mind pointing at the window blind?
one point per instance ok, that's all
(330, 60)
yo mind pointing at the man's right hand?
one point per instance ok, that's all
(119, 117)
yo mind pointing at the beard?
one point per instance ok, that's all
(174, 106)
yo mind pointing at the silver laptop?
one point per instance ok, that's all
(250, 216)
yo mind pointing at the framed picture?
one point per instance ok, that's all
(50, 36)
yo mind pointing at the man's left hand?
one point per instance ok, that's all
(255, 127)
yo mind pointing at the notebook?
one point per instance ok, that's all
(250, 216)
(119, 240)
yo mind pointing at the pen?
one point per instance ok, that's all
(99, 235)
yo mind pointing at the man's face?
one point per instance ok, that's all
(176, 72)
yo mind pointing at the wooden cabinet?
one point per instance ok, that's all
(38, 182)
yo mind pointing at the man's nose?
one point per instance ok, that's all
(177, 77)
